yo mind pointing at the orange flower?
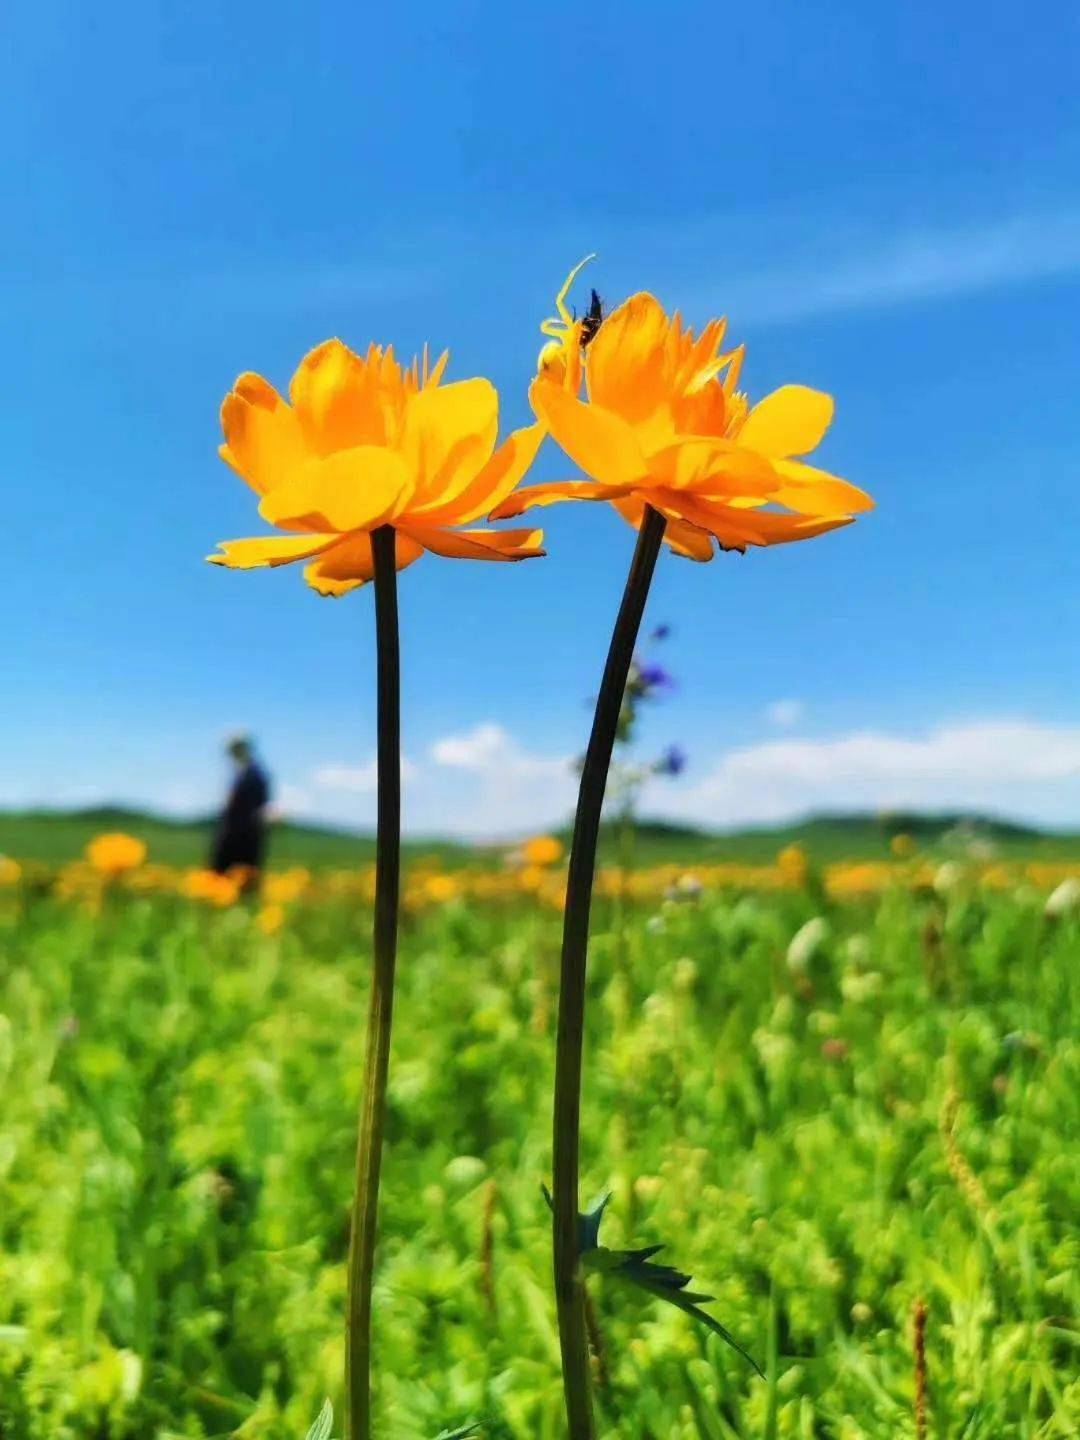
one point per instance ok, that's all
(542, 850)
(364, 443)
(665, 426)
(115, 853)
(220, 890)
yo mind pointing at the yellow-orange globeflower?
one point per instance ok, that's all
(542, 850)
(115, 853)
(665, 426)
(362, 443)
(220, 890)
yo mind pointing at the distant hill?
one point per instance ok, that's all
(853, 835)
(54, 836)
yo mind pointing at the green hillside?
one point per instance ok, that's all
(855, 837)
(56, 836)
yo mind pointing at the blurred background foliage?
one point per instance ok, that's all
(53, 837)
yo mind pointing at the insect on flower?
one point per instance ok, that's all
(663, 426)
(592, 320)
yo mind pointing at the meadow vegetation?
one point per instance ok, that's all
(829, 1102)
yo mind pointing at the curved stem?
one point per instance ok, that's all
(569, 1298)
(381, 1005)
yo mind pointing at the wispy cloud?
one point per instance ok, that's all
(489, 750)
(484, 783)
(360, 779)
(908, 267)
(1020, 768)
(480, 783)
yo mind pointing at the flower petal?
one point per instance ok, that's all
(737, 528)
(479, 544)
(269, 550)
(342, 400)
(349, 490)
(790, 421)
(626, 363)
(448, 436)
(496, 480)
(689, 541)
(816, 492)
(597, 440)
(349, 564)
(685, 539)
(263, 442)
(713, 466)
(552, 491)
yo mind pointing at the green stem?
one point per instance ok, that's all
(381, 1005)
(569, 1297)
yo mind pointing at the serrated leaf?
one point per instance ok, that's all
(324, 1424)
(588, 1224)
(458, 1434)
(669, 1284)
(635, 1267)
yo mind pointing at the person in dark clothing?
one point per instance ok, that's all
(240, 836)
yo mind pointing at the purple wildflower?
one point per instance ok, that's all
(672, 762)
(654, 677)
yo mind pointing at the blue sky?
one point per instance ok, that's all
(884, 201)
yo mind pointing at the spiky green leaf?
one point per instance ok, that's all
(635, 1267)
(324, 1424)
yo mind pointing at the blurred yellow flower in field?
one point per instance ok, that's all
(902, 846)
(208, 885)
(115, 853)
(542, 850)
(793, 866)
(284, 886)
(996, 877)
(849, 879)
(427, 883)
(270, 919)
(441, 888)
(363, 442)
(664, 426)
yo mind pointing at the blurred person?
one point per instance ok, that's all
(240, 835)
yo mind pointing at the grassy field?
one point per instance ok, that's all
(822, 1132)
(53, 837)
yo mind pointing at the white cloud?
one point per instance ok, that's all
(356, 779)
(784, 713)
(510, 789)
(1011, 767)
(923, 264)
(484, 783)
(480, 783)
(487, 748)
(290, 799)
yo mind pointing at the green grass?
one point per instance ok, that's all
(53, 837)
(176, 1143)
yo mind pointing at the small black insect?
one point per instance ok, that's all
(592, 319)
